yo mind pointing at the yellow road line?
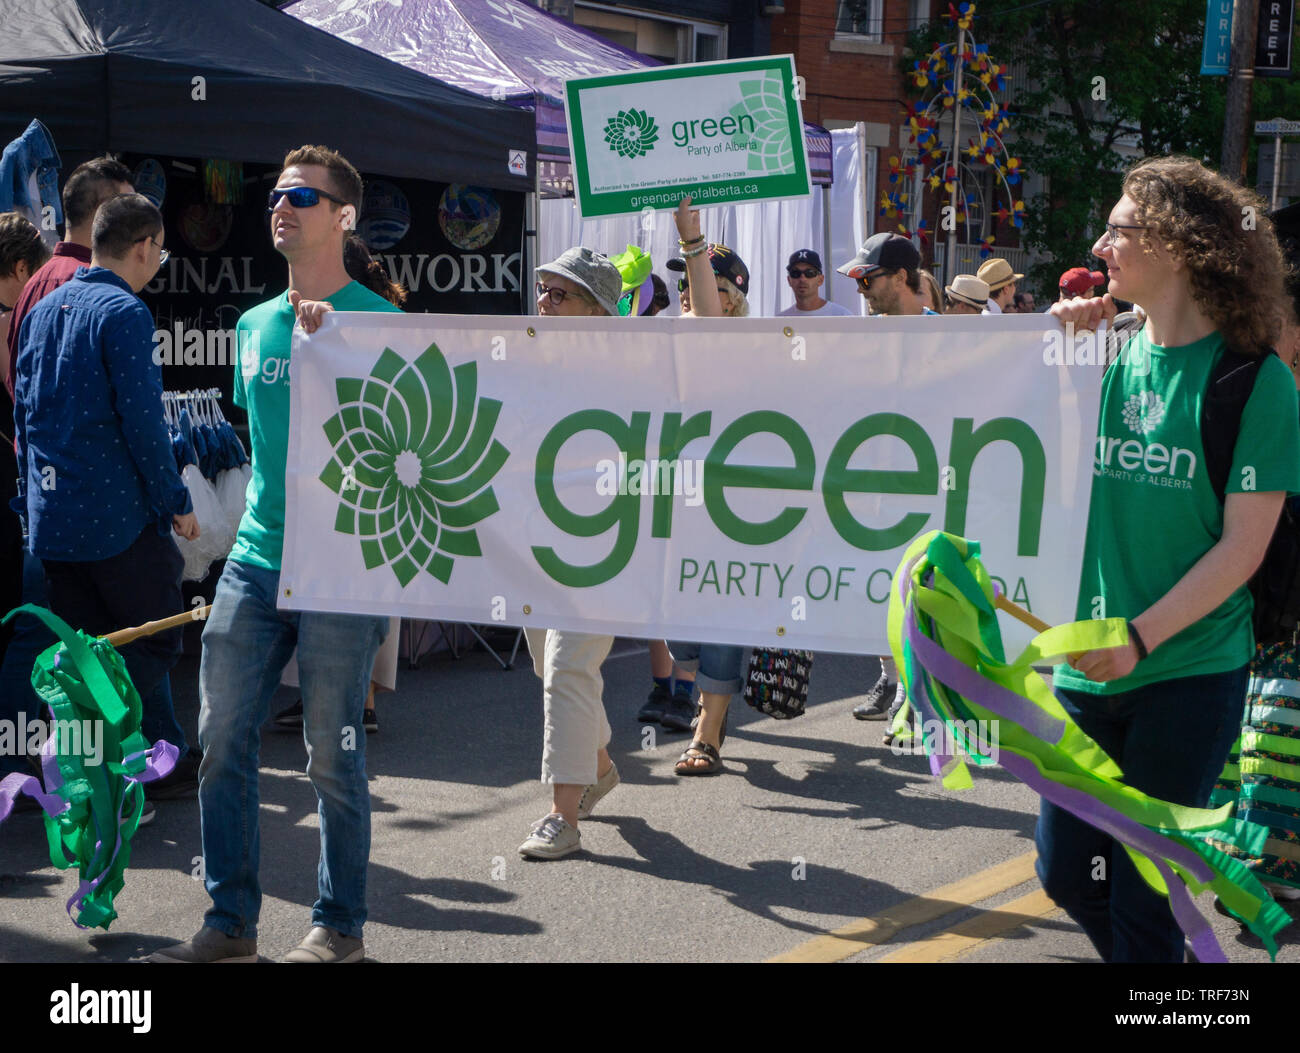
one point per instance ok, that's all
(964, 938)
(857, 936)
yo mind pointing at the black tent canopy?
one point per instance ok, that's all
(121, 75)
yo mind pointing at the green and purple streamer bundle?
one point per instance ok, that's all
(91, 809)
(944, 634)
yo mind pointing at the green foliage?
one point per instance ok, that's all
(1077, 130)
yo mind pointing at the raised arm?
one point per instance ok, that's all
(705, 301)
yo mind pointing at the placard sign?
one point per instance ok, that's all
(719, 131)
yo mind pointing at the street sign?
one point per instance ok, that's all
(719, 131)
(1273, 40)
(1286, 173)
(1277, 126)
(1216, 53)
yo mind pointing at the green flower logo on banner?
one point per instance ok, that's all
(631, 133)
(413, 456)
(764, 101)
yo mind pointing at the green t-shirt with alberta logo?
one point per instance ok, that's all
(1154, 512)
(262, 389)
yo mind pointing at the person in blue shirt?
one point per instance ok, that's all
(98, 482)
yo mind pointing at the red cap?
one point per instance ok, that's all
(1078, 280)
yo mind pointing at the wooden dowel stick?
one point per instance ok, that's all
(125, 636)
(1020, 614)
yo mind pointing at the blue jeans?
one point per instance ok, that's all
(1171, 740)
(717, 666)
(246, 644)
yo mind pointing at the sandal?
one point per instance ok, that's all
(722, 735)
(694, 752)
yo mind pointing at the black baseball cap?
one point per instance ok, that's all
(882, 252)
(807, 256)
(726, 264)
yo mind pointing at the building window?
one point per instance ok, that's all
(918, 17)
(860, 18)
(708, 45)
(670, 40)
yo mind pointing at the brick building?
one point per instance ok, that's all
(850, 54)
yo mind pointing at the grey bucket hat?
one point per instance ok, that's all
(593, 272)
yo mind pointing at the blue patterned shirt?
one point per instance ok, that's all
(95, 460)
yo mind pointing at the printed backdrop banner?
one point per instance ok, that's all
(747, 481)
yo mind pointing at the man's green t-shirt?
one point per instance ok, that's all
(262, 389)
(1154, 511)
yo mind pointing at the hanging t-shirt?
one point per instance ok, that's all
(830, 307)
(1154, 511)
(262, 388)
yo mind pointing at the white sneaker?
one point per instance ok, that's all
(551, 838)
(593, 793)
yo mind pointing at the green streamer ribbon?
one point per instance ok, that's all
(84, 682)
(943, 594)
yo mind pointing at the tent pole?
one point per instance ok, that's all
(532, 228)
(826, 237)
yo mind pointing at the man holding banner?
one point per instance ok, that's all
(248, 639)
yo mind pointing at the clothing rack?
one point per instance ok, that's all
(204, 405)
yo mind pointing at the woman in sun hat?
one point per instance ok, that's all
(575, 760)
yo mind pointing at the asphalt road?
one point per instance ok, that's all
(814, 827)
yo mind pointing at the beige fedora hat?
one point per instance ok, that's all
(996, 273)
(969, 290)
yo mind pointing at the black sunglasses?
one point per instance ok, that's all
(557, 295)
(804, 273)
(300, 197)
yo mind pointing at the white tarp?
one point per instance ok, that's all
(812, 458)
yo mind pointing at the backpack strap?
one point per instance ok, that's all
(1229, 389)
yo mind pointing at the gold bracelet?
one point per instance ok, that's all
(693, 241)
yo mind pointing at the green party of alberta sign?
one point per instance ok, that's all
(719, 131)
(747, 481)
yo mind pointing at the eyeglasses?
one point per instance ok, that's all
(555, 295)
(804, 274)
(1111, 228)
(163, 254)
(300, 197)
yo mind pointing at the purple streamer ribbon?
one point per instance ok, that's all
(12, 785)
(1079, 803)
(160, 760)
(970, 684)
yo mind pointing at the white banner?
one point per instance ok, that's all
(726, 480)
